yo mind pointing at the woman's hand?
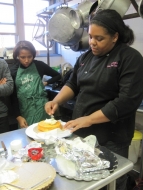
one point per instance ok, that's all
(3, 81)
(22, 122)
(76, 124)
(45, 83)
(51, 107)
(86, 121)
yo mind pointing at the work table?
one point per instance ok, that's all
(140, 109)
(124, 166)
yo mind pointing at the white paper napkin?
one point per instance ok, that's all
(8, 176)
(88, 143)
(6, 164)
(6, 173)
(57, 133)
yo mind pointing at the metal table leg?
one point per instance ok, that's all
(112, 185)
(141, 165)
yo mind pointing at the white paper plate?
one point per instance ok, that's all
(33, 132)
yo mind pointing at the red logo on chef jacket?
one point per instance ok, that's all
(113, 64)
(82, 64)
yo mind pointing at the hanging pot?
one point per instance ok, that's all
(83, 44)
(62, 30)
(121, 6)
(83, 9)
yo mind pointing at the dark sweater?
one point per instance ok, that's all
(5, 89)
(112, 83)
(42, 68)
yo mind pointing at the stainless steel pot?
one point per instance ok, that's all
(121, 6)
(83, 9)
(62, 30)
(83, 44)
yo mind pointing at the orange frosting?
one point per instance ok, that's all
(44, 126)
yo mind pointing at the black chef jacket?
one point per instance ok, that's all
(112, 83)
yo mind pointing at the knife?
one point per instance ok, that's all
(3, 146)
(5, 154)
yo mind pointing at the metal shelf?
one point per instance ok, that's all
(45, 12)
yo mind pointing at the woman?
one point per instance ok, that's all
(6, 88)
(108, 83)
(29, 95)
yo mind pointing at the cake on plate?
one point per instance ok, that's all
(49, 124)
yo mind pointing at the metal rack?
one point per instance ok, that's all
(46, 13)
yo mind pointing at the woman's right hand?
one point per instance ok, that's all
(3, 81)
(22, 122)
(51, 107)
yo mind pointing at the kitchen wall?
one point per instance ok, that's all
(137, 26)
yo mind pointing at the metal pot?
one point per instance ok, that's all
(83, 9)
(83, 44)
(62, 30)
(121, 6)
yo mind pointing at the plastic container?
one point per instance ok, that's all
(134, 148)
(35, 153)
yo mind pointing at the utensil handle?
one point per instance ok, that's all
(3, 145)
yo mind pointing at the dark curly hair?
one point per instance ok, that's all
(24, 45)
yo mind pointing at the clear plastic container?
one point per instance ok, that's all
(134, 148)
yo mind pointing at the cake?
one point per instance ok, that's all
(48, 125)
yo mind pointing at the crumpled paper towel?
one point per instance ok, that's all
(24, 151)
(8, 176)
(6, 164)
(6, 173)
(57, 133)
(87, 144)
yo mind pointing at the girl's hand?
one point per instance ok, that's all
(45, 83)
(22, 122)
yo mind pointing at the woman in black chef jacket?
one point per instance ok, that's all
(108, 83)
(29, 96)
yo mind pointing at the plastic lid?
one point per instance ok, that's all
(137, 135)
(1, 149)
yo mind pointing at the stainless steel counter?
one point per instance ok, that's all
(140, 109)
(61, 183)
